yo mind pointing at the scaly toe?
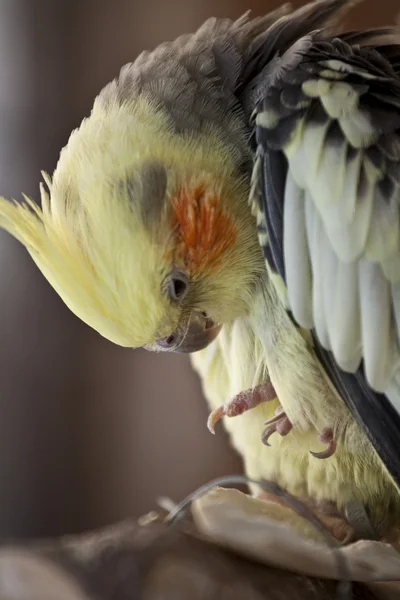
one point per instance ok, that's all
(241, 403)
(284, 426)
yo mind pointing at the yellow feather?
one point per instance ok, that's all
(89, 240)
(266, 346)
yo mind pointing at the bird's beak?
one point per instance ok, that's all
(193, 335)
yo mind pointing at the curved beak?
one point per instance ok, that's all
(194, 335)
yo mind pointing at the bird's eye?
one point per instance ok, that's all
(177, 285)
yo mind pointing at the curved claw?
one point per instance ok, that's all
(215, 416)
(279, 424)
(329, 451)
(277, 417)
(266, 434)
(241, 403)
(326, 437)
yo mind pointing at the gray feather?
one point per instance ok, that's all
(395, 290)
(153, 186)
(391, 268)
(349, 240)
(375, 300)
(384, 236)
(327, 183)
(345, 324)
(316, 239)
(330, 272)
(333, 109)
(297, 261)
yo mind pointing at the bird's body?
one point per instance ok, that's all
(243, 356)
(202, 153)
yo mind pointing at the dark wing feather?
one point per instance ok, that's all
(273, 176)
(326, 183)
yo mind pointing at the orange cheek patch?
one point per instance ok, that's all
(203, 231)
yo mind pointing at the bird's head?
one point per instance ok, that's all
(145, 233)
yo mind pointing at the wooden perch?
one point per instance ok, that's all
(153, 562)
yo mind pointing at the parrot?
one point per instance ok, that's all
(234, 195)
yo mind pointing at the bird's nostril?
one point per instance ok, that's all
(170, 340)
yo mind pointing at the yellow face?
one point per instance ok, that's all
(146, 235)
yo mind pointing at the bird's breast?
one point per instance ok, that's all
(267, 344)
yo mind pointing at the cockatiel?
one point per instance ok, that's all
(235, 194)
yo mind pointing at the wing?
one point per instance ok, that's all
(326, 188)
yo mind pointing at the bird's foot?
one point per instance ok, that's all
(326, 437)
(279, 423)
(241, 403)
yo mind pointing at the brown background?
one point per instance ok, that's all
(89, 432)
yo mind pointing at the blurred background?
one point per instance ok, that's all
(89, 433)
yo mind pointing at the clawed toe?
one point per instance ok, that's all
(241, 403)
(326, 437)
(279, 423)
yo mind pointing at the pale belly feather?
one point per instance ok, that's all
(267, 344)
